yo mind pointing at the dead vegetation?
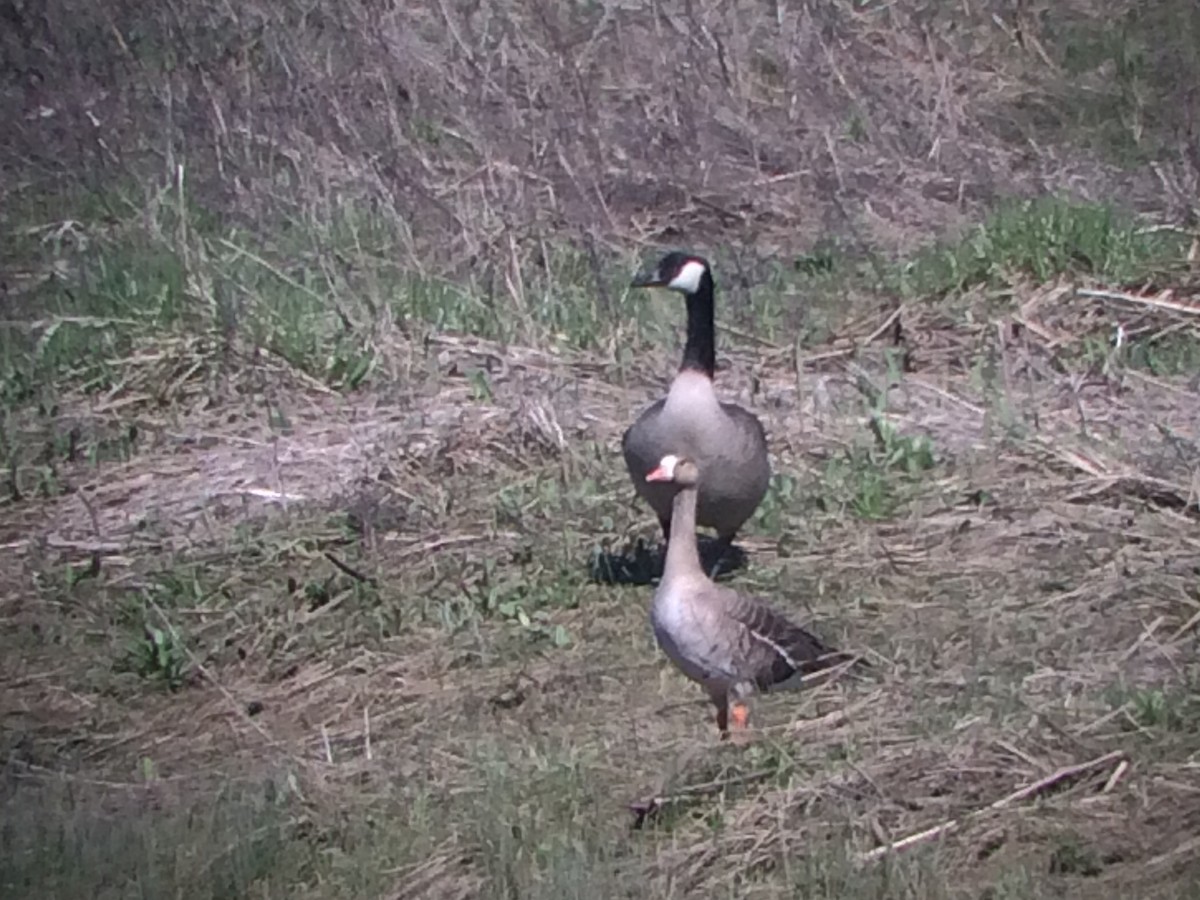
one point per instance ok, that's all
(316, 356)
(390, 612)
(490, 135)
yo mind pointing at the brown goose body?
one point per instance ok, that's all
(728, 442)
(729, 643)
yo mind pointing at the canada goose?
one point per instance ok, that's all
(727, 442)
(729, 643)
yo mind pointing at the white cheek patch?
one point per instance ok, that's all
(688, 279)
(667, 464)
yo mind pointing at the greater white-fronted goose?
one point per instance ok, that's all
(726, 441)
(730, 644)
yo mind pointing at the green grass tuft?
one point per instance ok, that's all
(1041, 239)
(61, 840)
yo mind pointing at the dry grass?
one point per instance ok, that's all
(489, 135)
(316, 353)
(1030, 606)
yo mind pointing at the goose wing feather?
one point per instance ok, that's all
(747, 423)
(772, 649)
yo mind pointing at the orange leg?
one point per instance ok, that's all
(739, 713)
(733, 719)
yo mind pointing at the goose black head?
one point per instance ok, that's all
(682, 272)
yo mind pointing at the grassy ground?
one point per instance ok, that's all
(321, 574)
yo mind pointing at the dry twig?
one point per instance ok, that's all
(1030, 790)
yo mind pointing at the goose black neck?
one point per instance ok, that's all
(700, 351)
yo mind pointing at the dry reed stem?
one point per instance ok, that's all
(1030, 790)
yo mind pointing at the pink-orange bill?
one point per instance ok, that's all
(658, 474)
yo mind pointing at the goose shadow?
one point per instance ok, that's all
(642, 564)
